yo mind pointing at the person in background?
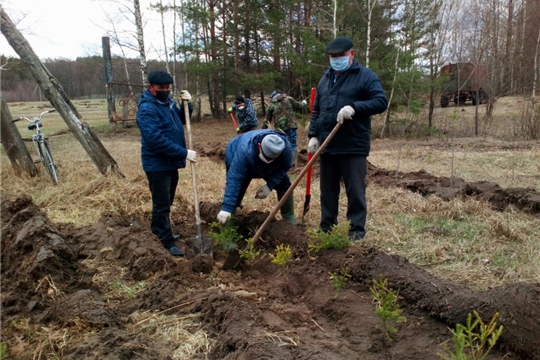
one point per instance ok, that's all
(258, 154)
(247, 116)
(281, 114)
(163, 151)
(350, 94)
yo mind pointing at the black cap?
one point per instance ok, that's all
(160, 78)
(339, 45)
(239, 100)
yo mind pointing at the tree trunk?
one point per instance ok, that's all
(386, 126)
(16, 150)
(55, 94)
(140, 39)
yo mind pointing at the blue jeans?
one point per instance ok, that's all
(291, 135)
(162, 187)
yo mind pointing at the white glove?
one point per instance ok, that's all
(346, 113)
(185, 95)
(313, 145)
(304, 102)
(191, 155)
(263, 192)
(223, 216)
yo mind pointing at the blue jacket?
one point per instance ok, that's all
(358, 87)
(163, 144)
(243, 164)
(247, 117)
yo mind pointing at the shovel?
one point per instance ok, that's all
(200, 245)
(307, 199)
(234, 122)
(310, 169)
(295, 183)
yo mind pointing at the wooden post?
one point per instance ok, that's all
(107, 65)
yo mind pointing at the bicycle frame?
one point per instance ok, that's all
(42, 145)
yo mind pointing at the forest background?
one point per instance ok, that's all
(251, 47)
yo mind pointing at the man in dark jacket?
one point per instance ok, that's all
(247, 116)
(258, 154)
(163, 151)
(347, 93)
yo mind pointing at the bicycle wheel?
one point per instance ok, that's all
(47, 160)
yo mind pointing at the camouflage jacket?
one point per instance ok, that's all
(281, 113)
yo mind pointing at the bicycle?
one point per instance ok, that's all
(42, 145)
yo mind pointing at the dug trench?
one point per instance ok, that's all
(258, 310)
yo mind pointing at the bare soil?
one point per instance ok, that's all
(249, 311)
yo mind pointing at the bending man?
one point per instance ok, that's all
(258, 154)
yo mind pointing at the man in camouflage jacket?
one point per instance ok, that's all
(281, 114)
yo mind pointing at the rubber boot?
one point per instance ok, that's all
(294, 157)
(287, 209)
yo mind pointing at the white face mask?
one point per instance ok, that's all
(263, 158)
(240, 108)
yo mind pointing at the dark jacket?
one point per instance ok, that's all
(358, 87)
(247, 117)
(163, 144)
(243, 164)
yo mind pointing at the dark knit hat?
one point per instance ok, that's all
(339, 45)
(272, 146)
(239, 100)
(160, 78)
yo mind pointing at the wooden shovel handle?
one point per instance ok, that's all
(295, 183)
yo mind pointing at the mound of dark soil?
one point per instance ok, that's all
(258, 311)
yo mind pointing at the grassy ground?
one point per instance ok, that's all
(462, 240)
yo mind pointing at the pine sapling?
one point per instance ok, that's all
(283, 255)
(337, 238)
(474, 340)
(250, 254)
(339, 280)
(387, 307)
(225, 236)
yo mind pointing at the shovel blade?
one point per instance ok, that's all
(202, 245)
(306, 206)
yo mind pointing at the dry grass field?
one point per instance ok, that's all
(462, 240)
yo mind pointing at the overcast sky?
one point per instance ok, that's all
(70, 28)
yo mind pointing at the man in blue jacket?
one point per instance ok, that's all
(350, 94)
(258, 154)
(163, 151)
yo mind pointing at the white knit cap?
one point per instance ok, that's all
(272, 146)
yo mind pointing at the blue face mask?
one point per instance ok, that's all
(340, 63)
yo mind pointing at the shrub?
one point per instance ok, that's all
(337, 238)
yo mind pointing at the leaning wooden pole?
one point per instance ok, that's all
(55, 94)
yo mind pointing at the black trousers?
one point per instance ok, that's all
(162, 187)
(352, 169)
